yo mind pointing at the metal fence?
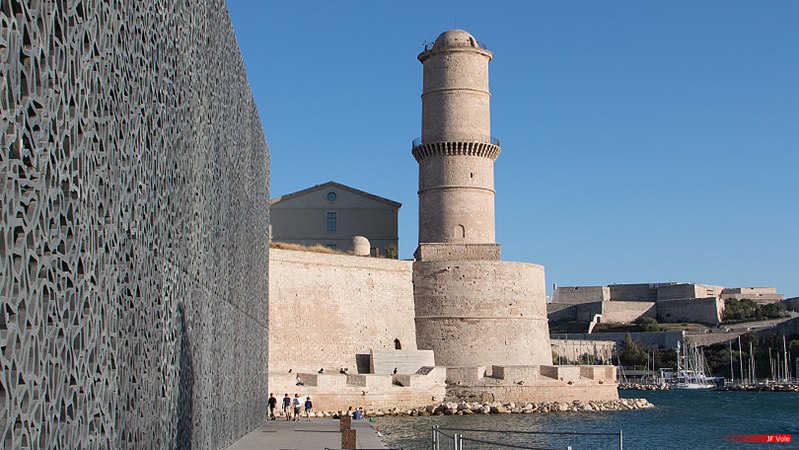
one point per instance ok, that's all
(456, 439)
(492, 140)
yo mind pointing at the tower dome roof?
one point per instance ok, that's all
(455, 38)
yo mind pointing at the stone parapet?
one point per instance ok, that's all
(537, 383)
(458, 252)
(338, 392)
(401, 361)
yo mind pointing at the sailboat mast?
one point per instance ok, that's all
(740, 358)
(785, 359)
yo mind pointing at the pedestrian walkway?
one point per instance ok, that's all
(316, 434)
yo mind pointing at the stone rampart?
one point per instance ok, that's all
(581, 294)
(626, 312)
(557, 312)
(687, 290)
(326, 309)
(458, 252)
(750, 290)
(473, 313)
(569, 350)
(401, 361)
(133, 204)
(585, 312)
(335, 392)
(537, 383)
(641, 292)
(702, 310)
(792, 304)
(666, 339)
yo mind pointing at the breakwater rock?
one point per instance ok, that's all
(643, 387)
(466, 408)
(769, 387)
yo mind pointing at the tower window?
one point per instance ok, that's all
(460, 231)
(397, 344)
(332, 221)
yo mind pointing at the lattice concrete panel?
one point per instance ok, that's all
(133, 224)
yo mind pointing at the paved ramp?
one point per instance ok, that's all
(316, 434)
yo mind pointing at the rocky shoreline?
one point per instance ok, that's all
(762, 387)
(643, 387)
(466, 408)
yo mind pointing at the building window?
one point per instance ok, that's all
(332, 221)
(397, 344)
(332, 196)
(332, 246)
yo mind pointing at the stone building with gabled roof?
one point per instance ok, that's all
(331, 214)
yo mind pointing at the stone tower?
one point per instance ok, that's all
(472, 309)
(456, 152)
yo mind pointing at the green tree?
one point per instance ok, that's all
(665, 357)
(647, 324)
(633, 354)
(391, 252)
(772, 311)
(739, 310)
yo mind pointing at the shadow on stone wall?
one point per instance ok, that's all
(185, 404)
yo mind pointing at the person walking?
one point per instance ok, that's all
(297, 403)
(272, 404)
(308, 408)
(287, 406)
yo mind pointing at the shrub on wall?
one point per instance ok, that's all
(745, 310)
(647, 324)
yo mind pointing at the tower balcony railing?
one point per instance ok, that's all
(418, 141)
(429, 46)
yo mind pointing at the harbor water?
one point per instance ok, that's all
(681, 420)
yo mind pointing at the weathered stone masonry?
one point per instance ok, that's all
(134, 189)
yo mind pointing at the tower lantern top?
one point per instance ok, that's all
(454, 40)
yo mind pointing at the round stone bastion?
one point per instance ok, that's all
(481, 313)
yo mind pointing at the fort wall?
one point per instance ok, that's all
(703, 310)
(687, 290)
(474, 313)
(581, 294)
(325, 309)
(667, 339)
(626, 312)
(641, 292)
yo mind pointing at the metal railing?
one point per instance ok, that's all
(429, 46)
(458, 439)
(418, 141)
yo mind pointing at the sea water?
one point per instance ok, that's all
(680, 420)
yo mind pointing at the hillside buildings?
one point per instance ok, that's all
(667, 302)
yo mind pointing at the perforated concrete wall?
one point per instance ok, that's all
(133, 181)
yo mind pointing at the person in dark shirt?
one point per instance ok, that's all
(272, 403)
(287, 406)
(308, 408)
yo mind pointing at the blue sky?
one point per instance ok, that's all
(641, 141)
